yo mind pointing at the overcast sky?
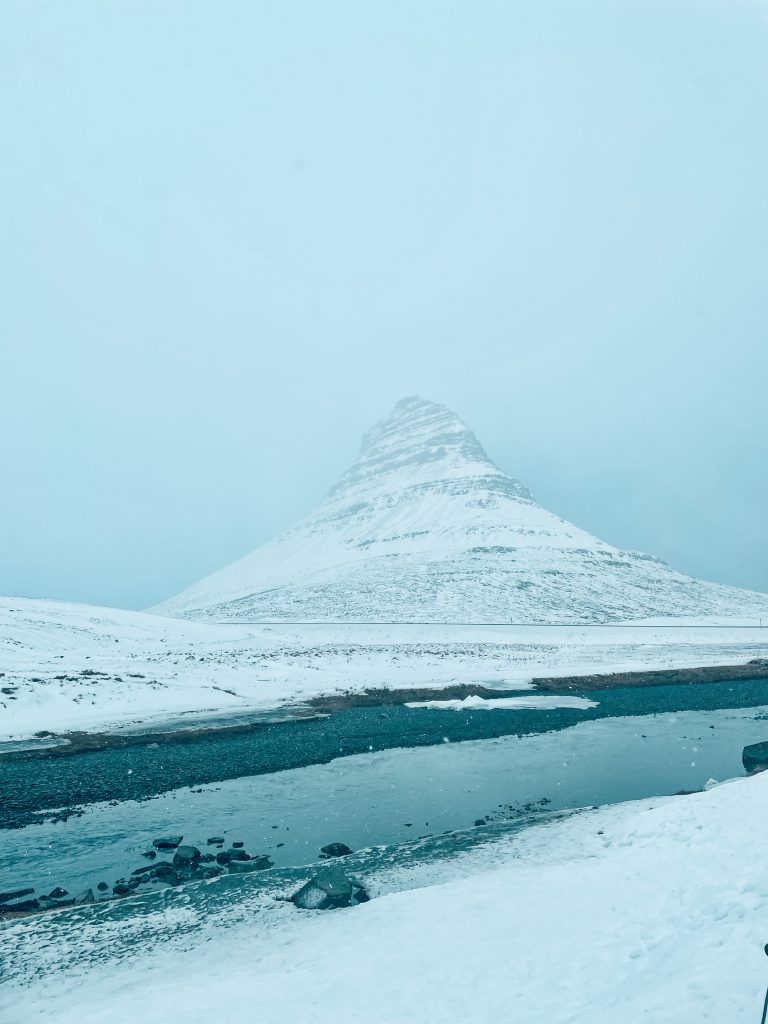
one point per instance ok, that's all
(235, 233)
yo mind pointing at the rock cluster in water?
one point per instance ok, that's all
(188, 864)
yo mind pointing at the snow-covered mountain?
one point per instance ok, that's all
(423, 527)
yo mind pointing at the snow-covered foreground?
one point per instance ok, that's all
(74, 667)
(652, 911)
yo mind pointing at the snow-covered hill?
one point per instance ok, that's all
(425, 528)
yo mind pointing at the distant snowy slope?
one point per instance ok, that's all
(424, 527)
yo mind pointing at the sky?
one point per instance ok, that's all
(235, 234)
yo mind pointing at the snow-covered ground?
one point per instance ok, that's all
(650, 911)
(77, 667)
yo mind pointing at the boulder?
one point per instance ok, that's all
(755, 758)
(58, 893)
(149, 868)
(186, 855)
(229, 855)
(85, 897)
(149, 854)
(167, 842)
(102, 886)
(20, 907)
(15, 894)
(164, 869)
(68, 902)
(329, 889)
(335, 850)
(241, 867)
(215, 840)
(238, 845)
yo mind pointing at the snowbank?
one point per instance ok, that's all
(653, 911)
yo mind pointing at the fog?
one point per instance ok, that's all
(234, 234)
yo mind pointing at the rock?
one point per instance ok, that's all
(121, 889)
(335, 850)
(20, 907)
(58, 893)
(210, 872)
(755, 758)
(164, 869)
(144, 870)
(207, 858)
(215, 840)
(167, 842)
(238, 845)
(361, 895)
(479, 822)
(149, 854)
(102, 886)
(85, 897)
(15, 894)
(329, 889)
(241, 867)
(54, 904)
(186, 855)
(228, 855)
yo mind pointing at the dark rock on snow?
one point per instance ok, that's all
(102, 886)
(229, 855)
(329, 889)
(167, 842)
(15, 894)
(335, 850)
(240, 867)
(215, 840)
(755, 757)
(186, 855)
(20, 907)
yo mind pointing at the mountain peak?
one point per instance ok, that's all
(419, 442)
(423, 527)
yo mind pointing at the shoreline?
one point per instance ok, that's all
(67, 744)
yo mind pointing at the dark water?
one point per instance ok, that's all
(31, 785)
(431, 792)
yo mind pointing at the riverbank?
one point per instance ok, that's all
(35, 782)
(75, 669)
(630, 912)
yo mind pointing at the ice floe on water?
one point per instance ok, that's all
(475, 703)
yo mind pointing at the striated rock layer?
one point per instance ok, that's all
(423, 527)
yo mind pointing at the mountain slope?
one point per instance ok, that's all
(424, 527)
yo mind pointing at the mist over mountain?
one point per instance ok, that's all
(424, 527)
